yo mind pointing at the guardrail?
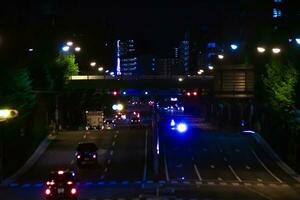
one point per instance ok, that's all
(144, 77)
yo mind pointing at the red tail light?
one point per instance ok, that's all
(47, 191)
(195, 93)
(73, 191)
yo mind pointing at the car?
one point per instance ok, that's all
(86, 153)
(109, 124)
(135, 120)
(61, 185)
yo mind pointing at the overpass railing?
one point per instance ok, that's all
(143, 77)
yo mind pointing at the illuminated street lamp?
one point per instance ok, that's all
(6, 114)
(180, 79)
(234, 46)
(93, 64)
(210, 67)
(221, 56)
(69, 43)
(261, 49)
(276, 50)
(100, 69)
(77, 49)
(298, 40)
(65, 48)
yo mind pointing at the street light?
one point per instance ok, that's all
(6, 114)
(93, 64)
(180, 79)
(276, 50)
(234, 46)
(221, 56)
(65, 48)
(77, 49)
(100, 69)
(298, 40)
(261, 49)
(69, 43)
(210, 67)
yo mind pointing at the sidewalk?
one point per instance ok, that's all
(31, 161)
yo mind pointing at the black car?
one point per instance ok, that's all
(61, 185)
(135, 120)
(86, 153)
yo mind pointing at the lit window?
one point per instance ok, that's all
(277, 13)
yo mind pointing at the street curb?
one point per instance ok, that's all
(31, 161)
(277, 159)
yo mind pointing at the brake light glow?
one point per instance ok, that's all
(73, 191)
(47, 191)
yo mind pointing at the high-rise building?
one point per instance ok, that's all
(127, 61)
(184, 54)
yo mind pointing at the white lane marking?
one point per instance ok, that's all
(259, 180)
(145, 157)
(106, 169)
(212, 166)
(266, 168)
(248, 167)
(115, 136)
(114, 143)
(197, 172)
(210, 182)
(234, 173)
(84, 136)
(117, 131)
(223, 183)
(235, 184)
(111, 152)
(72, 162)
(220, 179)
(166, 167)
(108, 161)
(247, 184)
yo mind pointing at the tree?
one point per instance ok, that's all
(16, 89)
(279, 83)
(63, 67)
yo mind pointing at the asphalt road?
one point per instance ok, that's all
(200, 164)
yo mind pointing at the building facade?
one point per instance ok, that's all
(127, 59)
